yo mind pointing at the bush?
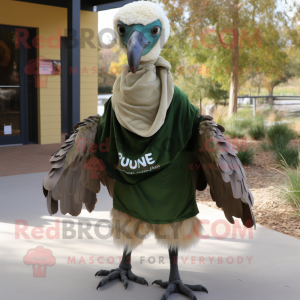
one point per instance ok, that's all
(246, 156)
(245, 112)
(236, 128)
(235, 132)
(280, 133)
(290, 190)
(280, 144)
(257, 131)
(287, 154)
(265, 146)
(246, 123)
(279, 136)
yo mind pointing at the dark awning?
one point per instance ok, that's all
(89, 5)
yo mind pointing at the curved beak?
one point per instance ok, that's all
(135, 46)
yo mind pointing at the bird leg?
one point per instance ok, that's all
(123, 272)
(175, 285)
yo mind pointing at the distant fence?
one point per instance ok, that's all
(251, 100)
(268, 97)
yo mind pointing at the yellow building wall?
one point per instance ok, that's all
(52, 21)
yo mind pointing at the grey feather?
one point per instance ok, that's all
(62, 206)
(68, 181)
(49, 198)
(227, 183)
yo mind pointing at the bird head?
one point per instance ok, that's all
(142, 29)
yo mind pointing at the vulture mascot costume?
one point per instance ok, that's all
(146, 149)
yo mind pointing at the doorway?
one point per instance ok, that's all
(18, 97)
(64, 84)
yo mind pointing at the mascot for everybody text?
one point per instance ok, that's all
(145, 149)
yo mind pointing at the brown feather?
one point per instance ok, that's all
(226, 177)
(69, 181)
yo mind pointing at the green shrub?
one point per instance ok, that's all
(265, 146)
(241, 122)
(245, 112)
(236, 128)
(280, 133)
(246, 156)
(245, 123)
(235, 132)
(287, 154)
(280, 144)
(290, 190)
(257, 131)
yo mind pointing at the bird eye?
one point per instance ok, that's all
(121, 29)
(155, 30)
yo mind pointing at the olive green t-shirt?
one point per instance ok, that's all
(153, 175)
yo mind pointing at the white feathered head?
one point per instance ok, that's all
(142, 29)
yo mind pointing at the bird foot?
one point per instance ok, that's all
(177, 286)
(123, 274)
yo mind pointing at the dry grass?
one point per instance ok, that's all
(220, 114)
(275, 116)
(296, 127)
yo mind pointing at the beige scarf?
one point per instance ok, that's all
(141, 100)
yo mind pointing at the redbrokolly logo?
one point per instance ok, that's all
(94, 165)
(103, 229)
(39, 258)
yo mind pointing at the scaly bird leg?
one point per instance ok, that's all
(123, 272)
(175, 285)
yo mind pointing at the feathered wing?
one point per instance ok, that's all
(224, 173)
(76, 173)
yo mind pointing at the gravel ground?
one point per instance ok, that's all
(263, 179)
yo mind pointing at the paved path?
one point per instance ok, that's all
(15, 160)
(273, 271)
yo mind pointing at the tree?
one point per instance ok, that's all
(271, 80)
(110, 66)
(229, 34)
(275, 63)
(116, 66)
(216, 93)
(235, 58)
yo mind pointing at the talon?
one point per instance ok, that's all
(142, 281)
(158, 282)
(99, 285)
(204, 289)
(120, 273)
(103, 273)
